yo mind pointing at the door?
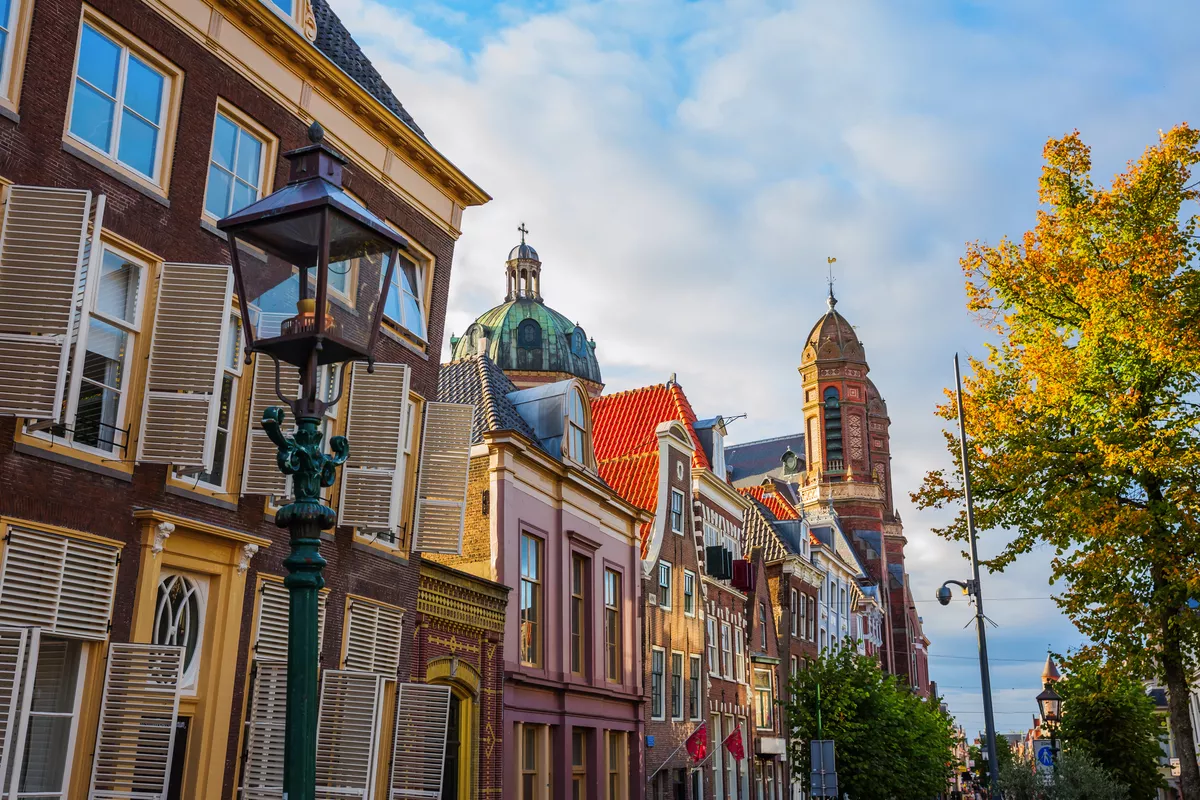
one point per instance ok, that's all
(178, 759)
(453, 743)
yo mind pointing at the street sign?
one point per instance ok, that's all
(824, 769)
(1043, 754)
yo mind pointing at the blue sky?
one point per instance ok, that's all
(686, 166)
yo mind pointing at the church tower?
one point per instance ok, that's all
(849, 466)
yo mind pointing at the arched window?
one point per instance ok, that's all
(529, 345)
(179, 621)
(833, 429)
(579, 445)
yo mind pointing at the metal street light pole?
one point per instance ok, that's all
(980, 620)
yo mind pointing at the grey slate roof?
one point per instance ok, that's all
(749, 462)
(478, 381)
(336, 42)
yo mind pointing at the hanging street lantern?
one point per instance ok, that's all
(312, 267)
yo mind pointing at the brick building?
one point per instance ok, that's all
(541, 521)
(136, 539)
(766, 673)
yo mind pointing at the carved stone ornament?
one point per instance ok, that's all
(248, 551)
(308, 21)
(162, 531)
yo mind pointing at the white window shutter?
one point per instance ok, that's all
(261, 474)
(136, 731)
(42, 250)
(271, 637)
(262, 770)
(418, 755)
(14, 643)
(373, 478)
(183, 383)
(374, 635)
(63, 585)
(442, 485)
(348, 727)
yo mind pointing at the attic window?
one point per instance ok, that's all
(529, 345)
(578, 436)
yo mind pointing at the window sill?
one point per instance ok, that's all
(200, 496)
(405, 341)
(208, 227)
(379, 552)
(9, 112)
(64, 455)
(114, 172)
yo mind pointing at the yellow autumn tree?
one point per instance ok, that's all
(1084, 419)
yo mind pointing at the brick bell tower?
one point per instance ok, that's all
(849, 465)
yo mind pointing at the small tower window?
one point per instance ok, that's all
(529, 345)
(833, 430)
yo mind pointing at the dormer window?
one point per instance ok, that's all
(578, 437)
(718, 451)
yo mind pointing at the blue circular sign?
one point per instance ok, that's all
(1045, 756)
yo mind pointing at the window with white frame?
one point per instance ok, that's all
(215, 478)
(794, 666)
(725, 651)
(664, 585)
(676, 685)
(764, 699)
(405, 301)
(578, 440)
(119, 103)
(235, 168)
(739, 656)
(677, 511)
(762, 626)
(713, 657)
(689, 593)
(694, 687)
(10, 15)
(657, 669)
(179, 620)
(108, 326)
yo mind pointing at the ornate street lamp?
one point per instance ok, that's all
(312, 268)
(1050, 705)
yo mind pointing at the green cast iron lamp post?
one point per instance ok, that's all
(312, 268)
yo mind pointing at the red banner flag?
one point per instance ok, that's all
(733, 743)
(697, 743)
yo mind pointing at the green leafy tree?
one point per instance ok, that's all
(1084, 420)
(1107, 716)
(1076, 777)
(891, 744)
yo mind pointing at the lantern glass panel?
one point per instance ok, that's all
(279, 266)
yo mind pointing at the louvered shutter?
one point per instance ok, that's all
(442, 486)
(14, 644)
(372, 478)
(54, 582)
(418, 755)
(42, 242)
(183, 384)
(347, 734)
(261, 474)
(262, 770)
(271, 639)
(136, 731)
(374, 635)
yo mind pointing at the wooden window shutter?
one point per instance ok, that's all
(261, 474)
(183, 384)
(271, 638)
(442, 484)
(262, 769)
(374, 635)
(63, 585)
(14, 645)
(372, 478)
(348, 739)
(422, 717)
(136, 731)
(42, 249)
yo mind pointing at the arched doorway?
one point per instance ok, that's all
(460, 768)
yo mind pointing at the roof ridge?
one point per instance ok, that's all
(624, 392)
(764, 441)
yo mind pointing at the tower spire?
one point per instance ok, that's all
(523, 270)
(523, 231)
(831, 300)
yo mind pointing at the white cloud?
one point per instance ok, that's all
(686, 167)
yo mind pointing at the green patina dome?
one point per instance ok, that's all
(524, 335)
